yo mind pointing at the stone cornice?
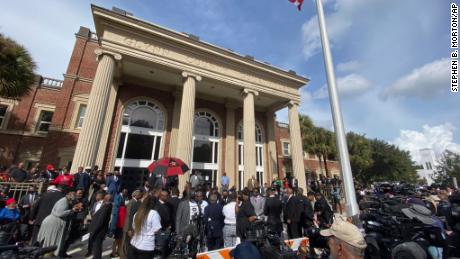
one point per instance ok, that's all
(101, 14)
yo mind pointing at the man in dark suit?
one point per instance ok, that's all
(292, 211)
(42, 208)
(164, 210)
(173, 203)
(82, 180)
(112, 181)
(273, 208)
(306, 217)
(214, 220)
(98, 227)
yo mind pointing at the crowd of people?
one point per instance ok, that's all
(90, 204)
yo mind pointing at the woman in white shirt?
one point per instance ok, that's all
(229, 212)
(145, 224)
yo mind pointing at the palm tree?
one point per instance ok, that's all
(16, 69)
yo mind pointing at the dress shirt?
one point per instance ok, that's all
(229, 213)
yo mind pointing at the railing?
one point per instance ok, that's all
(53, 83)
(17, 190)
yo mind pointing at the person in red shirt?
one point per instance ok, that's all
(117, 245)
(65, 179)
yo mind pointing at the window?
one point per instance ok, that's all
(3, 109)
(428, 166)
(44, 121)
(141, 135)
(286, 149)
(81, 116)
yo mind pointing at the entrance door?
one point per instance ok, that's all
(140, 141)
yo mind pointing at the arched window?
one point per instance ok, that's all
(259, 154)
(206, 146)
(141, 136)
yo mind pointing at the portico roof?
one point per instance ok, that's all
(143, 42)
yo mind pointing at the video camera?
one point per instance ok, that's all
(269, 244)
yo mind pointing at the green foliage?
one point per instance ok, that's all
(389, 164)
(16, 69)
(370, 160)
(360, 153)
(449, 166)
(317, 140)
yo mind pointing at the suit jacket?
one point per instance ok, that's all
(293, 209)
(165, 214)
(214, 220)
(25, 205)
(100, 220)
(273, 208)
(182, 216)
(173, 203)
(306, 217)
(82, 181)
(113, 186)
(44, 206)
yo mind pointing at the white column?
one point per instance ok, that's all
(185, 133)
(175, 124)
(296, 145)
(272, 160)
(230, 163)
(90, 134)
(107, 125)
(249, 135)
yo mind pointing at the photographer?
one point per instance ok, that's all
(244, 214)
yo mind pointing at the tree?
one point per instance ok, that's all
(16, 69)
(389, 164)
(360, 153)
(448, 167)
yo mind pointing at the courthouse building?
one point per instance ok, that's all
(134, 92)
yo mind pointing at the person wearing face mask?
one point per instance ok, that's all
(54, 228)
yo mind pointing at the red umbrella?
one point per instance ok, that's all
(168, 166)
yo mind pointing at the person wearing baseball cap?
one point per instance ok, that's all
(345, 240)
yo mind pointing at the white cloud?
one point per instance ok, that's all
(438, 138)
(350, 85)
(426, 81)
(338, 24)
(347, 67)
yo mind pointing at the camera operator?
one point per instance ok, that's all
(273, 208)
(244, 214)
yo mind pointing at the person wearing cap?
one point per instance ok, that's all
(344, 240)
(10, 213)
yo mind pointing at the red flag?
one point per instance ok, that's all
(298, 3)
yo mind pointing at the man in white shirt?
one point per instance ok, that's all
(188, 210)
(98, 203)
(229, 212)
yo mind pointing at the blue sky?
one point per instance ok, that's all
(390, 56)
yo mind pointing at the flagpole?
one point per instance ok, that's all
(350, 195)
